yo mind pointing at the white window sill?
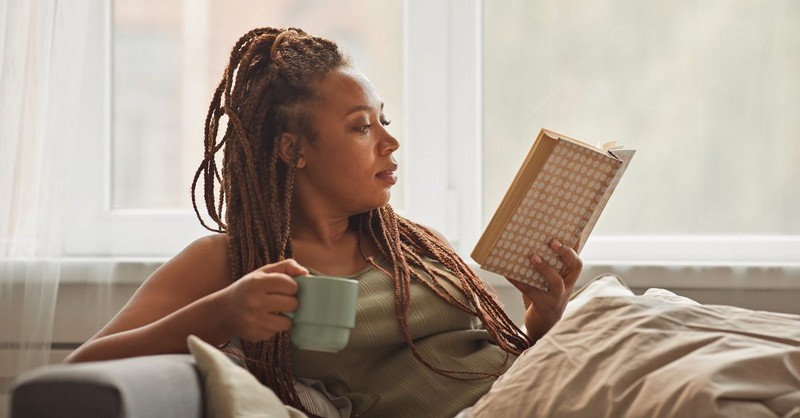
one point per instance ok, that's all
(134, 270)
(688, 276)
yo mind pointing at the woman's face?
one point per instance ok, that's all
(348, 167)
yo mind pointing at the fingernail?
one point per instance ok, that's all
(556, 244)
(536, 259)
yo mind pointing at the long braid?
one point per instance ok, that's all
(264, 92)
(265, 81)
(393, 233)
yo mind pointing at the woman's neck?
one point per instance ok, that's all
(330, 231)
(331, 249)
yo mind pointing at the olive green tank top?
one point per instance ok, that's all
(377, 370)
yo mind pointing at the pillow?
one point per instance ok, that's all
(655, 355)
(312, 393)
(231, 391)
(604, 285)
(669, 296)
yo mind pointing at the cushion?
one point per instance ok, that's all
(312, 393)
(655, 355)
(604, 285)
(231, 391)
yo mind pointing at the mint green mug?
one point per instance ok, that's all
(325, 314)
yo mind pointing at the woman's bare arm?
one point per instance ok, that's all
(178, 299)
(193, 294)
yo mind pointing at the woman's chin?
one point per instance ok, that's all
(379, 203)
(387, 198)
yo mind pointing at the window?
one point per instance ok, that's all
(156, 66)
(706, 92)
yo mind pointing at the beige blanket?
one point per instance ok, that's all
(656, 355)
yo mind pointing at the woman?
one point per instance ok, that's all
(305, 182)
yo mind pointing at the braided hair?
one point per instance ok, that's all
(264, 92)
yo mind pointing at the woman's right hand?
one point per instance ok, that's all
(252, 306)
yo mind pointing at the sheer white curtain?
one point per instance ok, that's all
(42, 59)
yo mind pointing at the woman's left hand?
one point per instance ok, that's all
(544, 308)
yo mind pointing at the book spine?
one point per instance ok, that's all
(537, 156)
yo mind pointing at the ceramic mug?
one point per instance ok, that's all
(325, 314)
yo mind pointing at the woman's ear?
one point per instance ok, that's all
(286, 149)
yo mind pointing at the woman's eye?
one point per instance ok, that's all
(363, 129)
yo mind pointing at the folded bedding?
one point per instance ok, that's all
(655, 355)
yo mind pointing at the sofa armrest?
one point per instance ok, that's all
(168, 386)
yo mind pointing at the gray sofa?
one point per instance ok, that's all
(167, 386)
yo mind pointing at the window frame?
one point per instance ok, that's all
(466, 20)
(91, 227)
(442, 166)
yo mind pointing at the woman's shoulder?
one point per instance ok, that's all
(205, 259)
(210, 249)
(213, 245)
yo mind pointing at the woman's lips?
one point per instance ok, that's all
(387, 176)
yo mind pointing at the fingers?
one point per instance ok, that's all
(277, 277)
(253, 313)
(555, 283)
(539, 297)
(261, 283)
(288, 266)
(277, 322)
(522, 287)
(266, 318)
(281, 303)
(558, 282)
(266, 327)
(573, 264)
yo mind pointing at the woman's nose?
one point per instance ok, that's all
(390, 143)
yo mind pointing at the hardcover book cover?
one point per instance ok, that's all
(558, 193)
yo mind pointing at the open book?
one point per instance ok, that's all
(558, 193)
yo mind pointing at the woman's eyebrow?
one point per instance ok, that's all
(361, 108)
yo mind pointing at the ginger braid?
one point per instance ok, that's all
(264, 92)
(405, 244)
(268, 78)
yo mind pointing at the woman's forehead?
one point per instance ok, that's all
(346, 88)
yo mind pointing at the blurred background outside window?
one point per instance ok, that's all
(707, 92)
(169, 56)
